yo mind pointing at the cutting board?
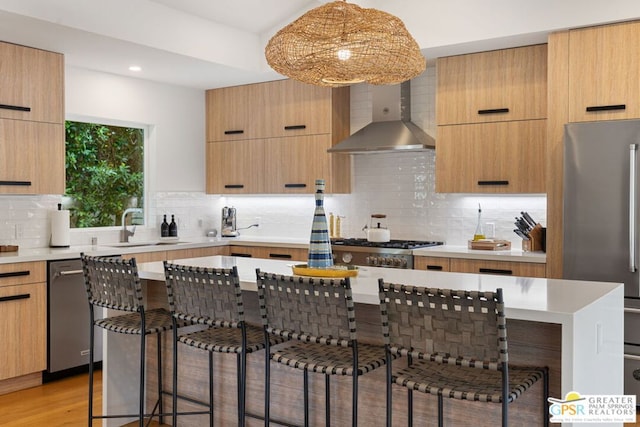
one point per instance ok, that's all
(490, 245)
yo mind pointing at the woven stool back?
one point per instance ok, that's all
(307, 309)
(204, 295)
(112, 282)
(451, 326)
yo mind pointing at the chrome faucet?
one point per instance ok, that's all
(124, 233)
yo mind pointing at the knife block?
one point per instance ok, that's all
(536, 240)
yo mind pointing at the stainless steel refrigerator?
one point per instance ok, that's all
(601, 221)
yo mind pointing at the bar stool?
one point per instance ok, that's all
(113, 283)
(456, 344)
(319, 315)
(213, 298)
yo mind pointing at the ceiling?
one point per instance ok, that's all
(206, 43)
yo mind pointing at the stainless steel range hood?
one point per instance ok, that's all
(391, 129)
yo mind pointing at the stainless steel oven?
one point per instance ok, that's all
(392, 254)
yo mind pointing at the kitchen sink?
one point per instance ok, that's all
(149, 243)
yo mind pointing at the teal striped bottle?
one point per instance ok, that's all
(320, 245)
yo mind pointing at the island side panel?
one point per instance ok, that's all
(530, 343)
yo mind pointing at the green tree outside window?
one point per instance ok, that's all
(104, 172)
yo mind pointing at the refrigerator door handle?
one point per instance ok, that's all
(633, 149)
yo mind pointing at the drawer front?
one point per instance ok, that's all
(22, 272)
(431, 263)
(23, 328)
(525, 269)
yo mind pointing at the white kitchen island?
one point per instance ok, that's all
(589, 316)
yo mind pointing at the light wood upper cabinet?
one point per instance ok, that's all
(31, 157)
(234, 113)
(23, 319)
(31, 121)
(31, 84)
(287, 127)
(298, 109)
(604, 65)
(500, 157)
(236, 167)
(500, 85)
(291, 164)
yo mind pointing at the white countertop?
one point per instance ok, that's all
(451, 251)
(535, 299)
(46, 254)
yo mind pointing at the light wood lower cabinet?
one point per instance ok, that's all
(462, 265)
(431, 263)
(270, 252)
(526, 269)
(176, 254)
(23, 319)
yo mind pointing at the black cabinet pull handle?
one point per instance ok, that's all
(15, 297)
(15, 107)
(434, 267)
(234, 186)
(496, 271)
(242, 255)
(233, 132)
(295, 185)
(14, 274)
(295, 127)
(283, 256)
(16, 183)
(494, 111)
(498, 182)
(606, 108)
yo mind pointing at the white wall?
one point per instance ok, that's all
(175, 114)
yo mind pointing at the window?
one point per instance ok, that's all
(104, 173)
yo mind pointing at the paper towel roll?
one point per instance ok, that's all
(60, 229)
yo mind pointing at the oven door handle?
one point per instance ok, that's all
(632, 357)
(632, 310)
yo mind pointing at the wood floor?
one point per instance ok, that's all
(60, 403)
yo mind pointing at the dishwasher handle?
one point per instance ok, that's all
(69, 272)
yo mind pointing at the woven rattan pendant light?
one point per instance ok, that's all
(340, 43)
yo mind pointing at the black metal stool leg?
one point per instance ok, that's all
(410, 407)
(174, 397)
(142, 359)
(440, 409)
(267, 382)
(211, 411)
(327, 401)
(91, 350)
(160, 405)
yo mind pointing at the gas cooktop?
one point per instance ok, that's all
(392, 244)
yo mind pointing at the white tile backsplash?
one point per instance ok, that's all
(398, 184)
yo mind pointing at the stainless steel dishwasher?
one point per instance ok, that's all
(68, 321)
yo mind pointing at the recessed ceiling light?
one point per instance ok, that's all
(135, 68)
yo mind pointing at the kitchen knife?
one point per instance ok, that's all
(521, 234)
(528, 218)
(522, 225)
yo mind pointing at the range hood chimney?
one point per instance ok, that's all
(391, 129)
